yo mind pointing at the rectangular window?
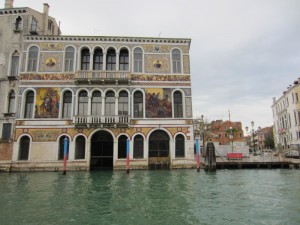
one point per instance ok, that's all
(138, 65)
(67, 110)
(6, 131)
(32, 64)
(69, 65)
(138, 110)
(124, 63)
(98, 62)
(29, 110)
(176, 67)
(111, 62)
(85, 62)
(296, 97)
(110, 109)
(15, 66)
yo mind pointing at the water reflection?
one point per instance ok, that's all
(151, 197)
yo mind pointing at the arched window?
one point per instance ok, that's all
(111, 59)
(18, 24)
(24, 148)
(138, 104)
(29, 101)
(123, 103)
(138, 147)
(67, 104)
(61, 147)
(179, 146)
(124, 60)
(122, 147)
(159, 144)
(176, 59)
(178, 111)
(33, 26)
(32, 59)
(98, 59)
(138, 60)
(80, 148)
(15, 59)
(11, 102)
(83, 103)
(85, 59)
(110, 103)
(96, 103)
(69, 59)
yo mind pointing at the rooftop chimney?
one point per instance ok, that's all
(46, 15)
(9, 4)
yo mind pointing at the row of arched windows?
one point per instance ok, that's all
(80, 145)
(96, 103)
(98, 59)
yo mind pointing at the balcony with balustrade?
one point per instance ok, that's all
(102, 77)
(102, 121)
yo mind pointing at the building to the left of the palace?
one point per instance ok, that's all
(95, 93)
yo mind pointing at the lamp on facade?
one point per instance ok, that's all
(253, 132)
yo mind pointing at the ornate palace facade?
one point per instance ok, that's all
(96, 92)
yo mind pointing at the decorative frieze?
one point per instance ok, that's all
(146, 77)
(55, 76)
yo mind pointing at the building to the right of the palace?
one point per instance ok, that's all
(286, 117)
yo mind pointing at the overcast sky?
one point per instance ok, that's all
(243, 52)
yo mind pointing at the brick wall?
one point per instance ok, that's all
(6, 150)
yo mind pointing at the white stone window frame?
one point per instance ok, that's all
(37, 60)
(133, 60)
(181, 61)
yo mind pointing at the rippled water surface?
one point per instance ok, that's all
(151, 197)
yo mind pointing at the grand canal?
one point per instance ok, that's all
(151, 197)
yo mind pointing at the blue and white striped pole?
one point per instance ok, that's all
(65, 155)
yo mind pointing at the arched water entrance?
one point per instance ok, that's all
(159, 153)
(102, 146)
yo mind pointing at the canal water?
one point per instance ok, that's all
(151, 197)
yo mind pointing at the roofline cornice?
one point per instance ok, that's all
(73, 38)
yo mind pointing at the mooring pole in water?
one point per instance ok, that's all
(198, 155)
(127, 155)
(65, 155)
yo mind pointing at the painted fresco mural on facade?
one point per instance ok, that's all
(158, 103)
(47, 103)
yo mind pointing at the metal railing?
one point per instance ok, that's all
(87, 74)
(98, 120)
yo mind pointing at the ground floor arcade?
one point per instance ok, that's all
(99, 149)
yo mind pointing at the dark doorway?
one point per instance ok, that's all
(159, 157)
(102, 146)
